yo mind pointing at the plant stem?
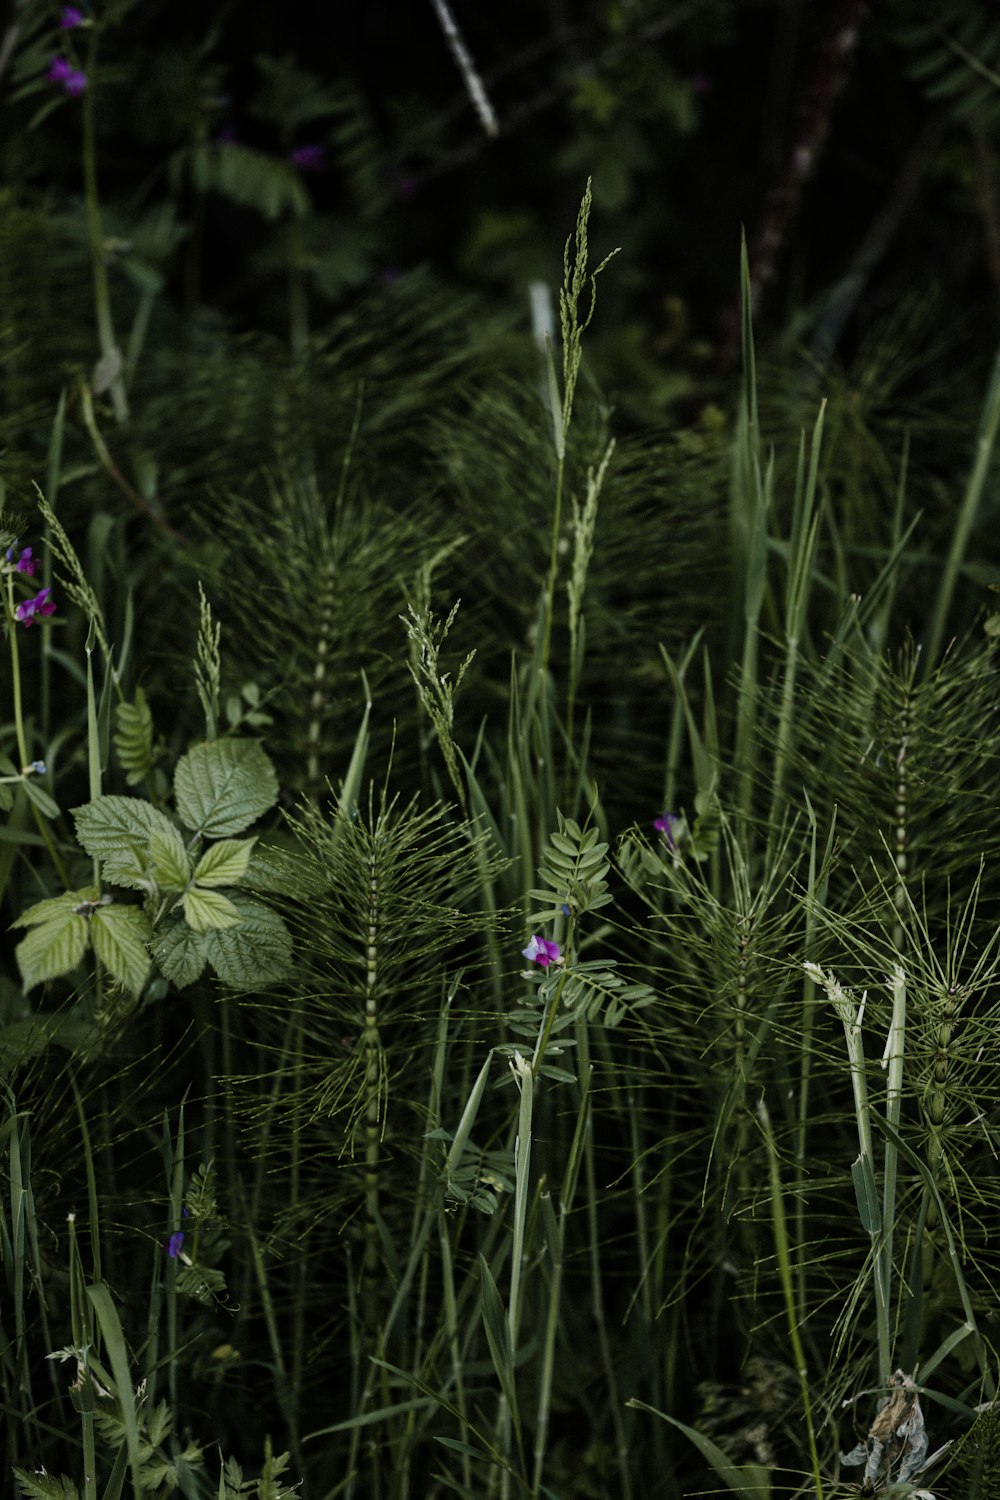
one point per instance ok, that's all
(110, 353)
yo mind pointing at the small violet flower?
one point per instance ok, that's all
(174, 1243)
(27, 612)
(69, 79)
(26, 563)
(665, 824)
(71, 18)
(309, 158)
(540, 951)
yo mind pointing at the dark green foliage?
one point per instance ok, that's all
(377, 1078)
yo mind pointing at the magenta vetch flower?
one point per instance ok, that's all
(309, 158)
(27, 613)
(71, 18)
(69, 79)
(540, 951)
(665, 824)
(22, 559)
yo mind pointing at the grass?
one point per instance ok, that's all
(311, 1178)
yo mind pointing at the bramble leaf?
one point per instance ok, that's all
(170, 866)
(179, 952)
(109, 826)
(257, 952)
(55, 946)
(207, 911)
(225, 863)
(120, 935)
(223, 786)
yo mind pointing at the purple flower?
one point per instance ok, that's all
(665, 824)
(309, 158)
(174, 1243)
(26, 563)
(540, 951)
(69, 79)
(71, 18)
(27, 612)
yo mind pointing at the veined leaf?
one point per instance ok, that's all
(43, 1486)
(225, 863)
(120, 935)
(257, 952)
(223, 786)
(55, 906)
(109, 826)
(206, 911)
(47, 806)
(133, 739)
(169, 862)
(180, 952)
(54, 947)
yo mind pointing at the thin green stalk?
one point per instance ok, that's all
(893, 1061)
(597, 1280)
(801, 559)
(19, 729)
(793, 1313)
(82, 1341)
(968, 514)
(555, 1234)
(863, 1170)
(110, 353)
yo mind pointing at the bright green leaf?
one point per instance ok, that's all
(170, 866)
(224, 863)
(53, 948)
(120, 935)
(208, 910)
(55, 906)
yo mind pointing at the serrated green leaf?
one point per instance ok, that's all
(120, 935)
(169, 862)
(206, 911)
(55, 906)
(53, 948)
(130, 868)
(179, 952)
(223, 786)
(225, 863)
(45, 1486)
(110, 826)
(258, 952)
